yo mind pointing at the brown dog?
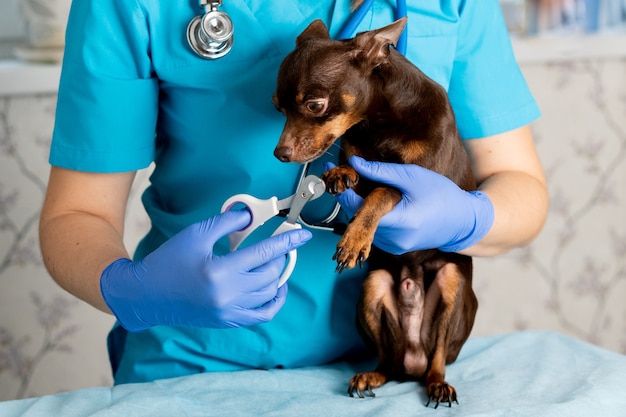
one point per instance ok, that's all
(417, 309)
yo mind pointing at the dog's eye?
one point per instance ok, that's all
(316, 106)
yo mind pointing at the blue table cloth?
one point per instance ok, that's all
(532, 373)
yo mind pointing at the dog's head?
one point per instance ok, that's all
(325, 86)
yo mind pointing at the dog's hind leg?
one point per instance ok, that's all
(379, 323)
(449, 311)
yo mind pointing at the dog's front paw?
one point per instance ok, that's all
(339, 179)
(366, 381)
(441, 392)
(352, 249)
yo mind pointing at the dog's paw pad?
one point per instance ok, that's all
(339, 179)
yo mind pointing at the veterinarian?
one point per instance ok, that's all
(133, 92)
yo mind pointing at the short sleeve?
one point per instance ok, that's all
(108, 97)
(487, 89)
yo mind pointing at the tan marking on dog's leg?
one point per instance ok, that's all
(378, 293)
(355, 244)
(377, 299)
(440, 305)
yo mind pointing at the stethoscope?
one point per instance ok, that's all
(211, 35)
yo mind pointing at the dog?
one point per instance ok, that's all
(416, 310)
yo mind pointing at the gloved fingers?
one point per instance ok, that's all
(384, 240)
(267, 311)
(349, 201)
(194, 243)
(259, 285)
(328, 166)
(260, 253)
(477, 225)
(214, 228)
(260, 313)
(271, 269)
(405, 177)
(384, 172)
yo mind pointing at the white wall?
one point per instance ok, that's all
(11, 23)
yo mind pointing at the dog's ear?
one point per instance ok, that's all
(373, 46)
(317, 29)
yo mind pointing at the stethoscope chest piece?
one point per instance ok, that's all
(211, 35)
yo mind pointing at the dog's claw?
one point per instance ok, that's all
(441, 393)
(366, 381)
(348, 181)
(345, 261)
(359, 393)
(341, 264)
(351, 391)
(361, 260)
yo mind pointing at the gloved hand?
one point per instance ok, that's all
(433, 213)
(182, 283)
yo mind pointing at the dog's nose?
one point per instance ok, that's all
(283, 153)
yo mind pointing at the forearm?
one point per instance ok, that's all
(76, 247)
(516, 222)
(81, 227)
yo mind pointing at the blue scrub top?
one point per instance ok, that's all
(132, 92)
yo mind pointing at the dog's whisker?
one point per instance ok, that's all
(337, 145)
(330, 150)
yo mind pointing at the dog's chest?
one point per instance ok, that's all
(373, 144)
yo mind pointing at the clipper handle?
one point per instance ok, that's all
(292, 256)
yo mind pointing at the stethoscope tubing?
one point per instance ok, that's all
(400, 13)
(355, 19)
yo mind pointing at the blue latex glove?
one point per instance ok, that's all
(433, 213)
(182, 283)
